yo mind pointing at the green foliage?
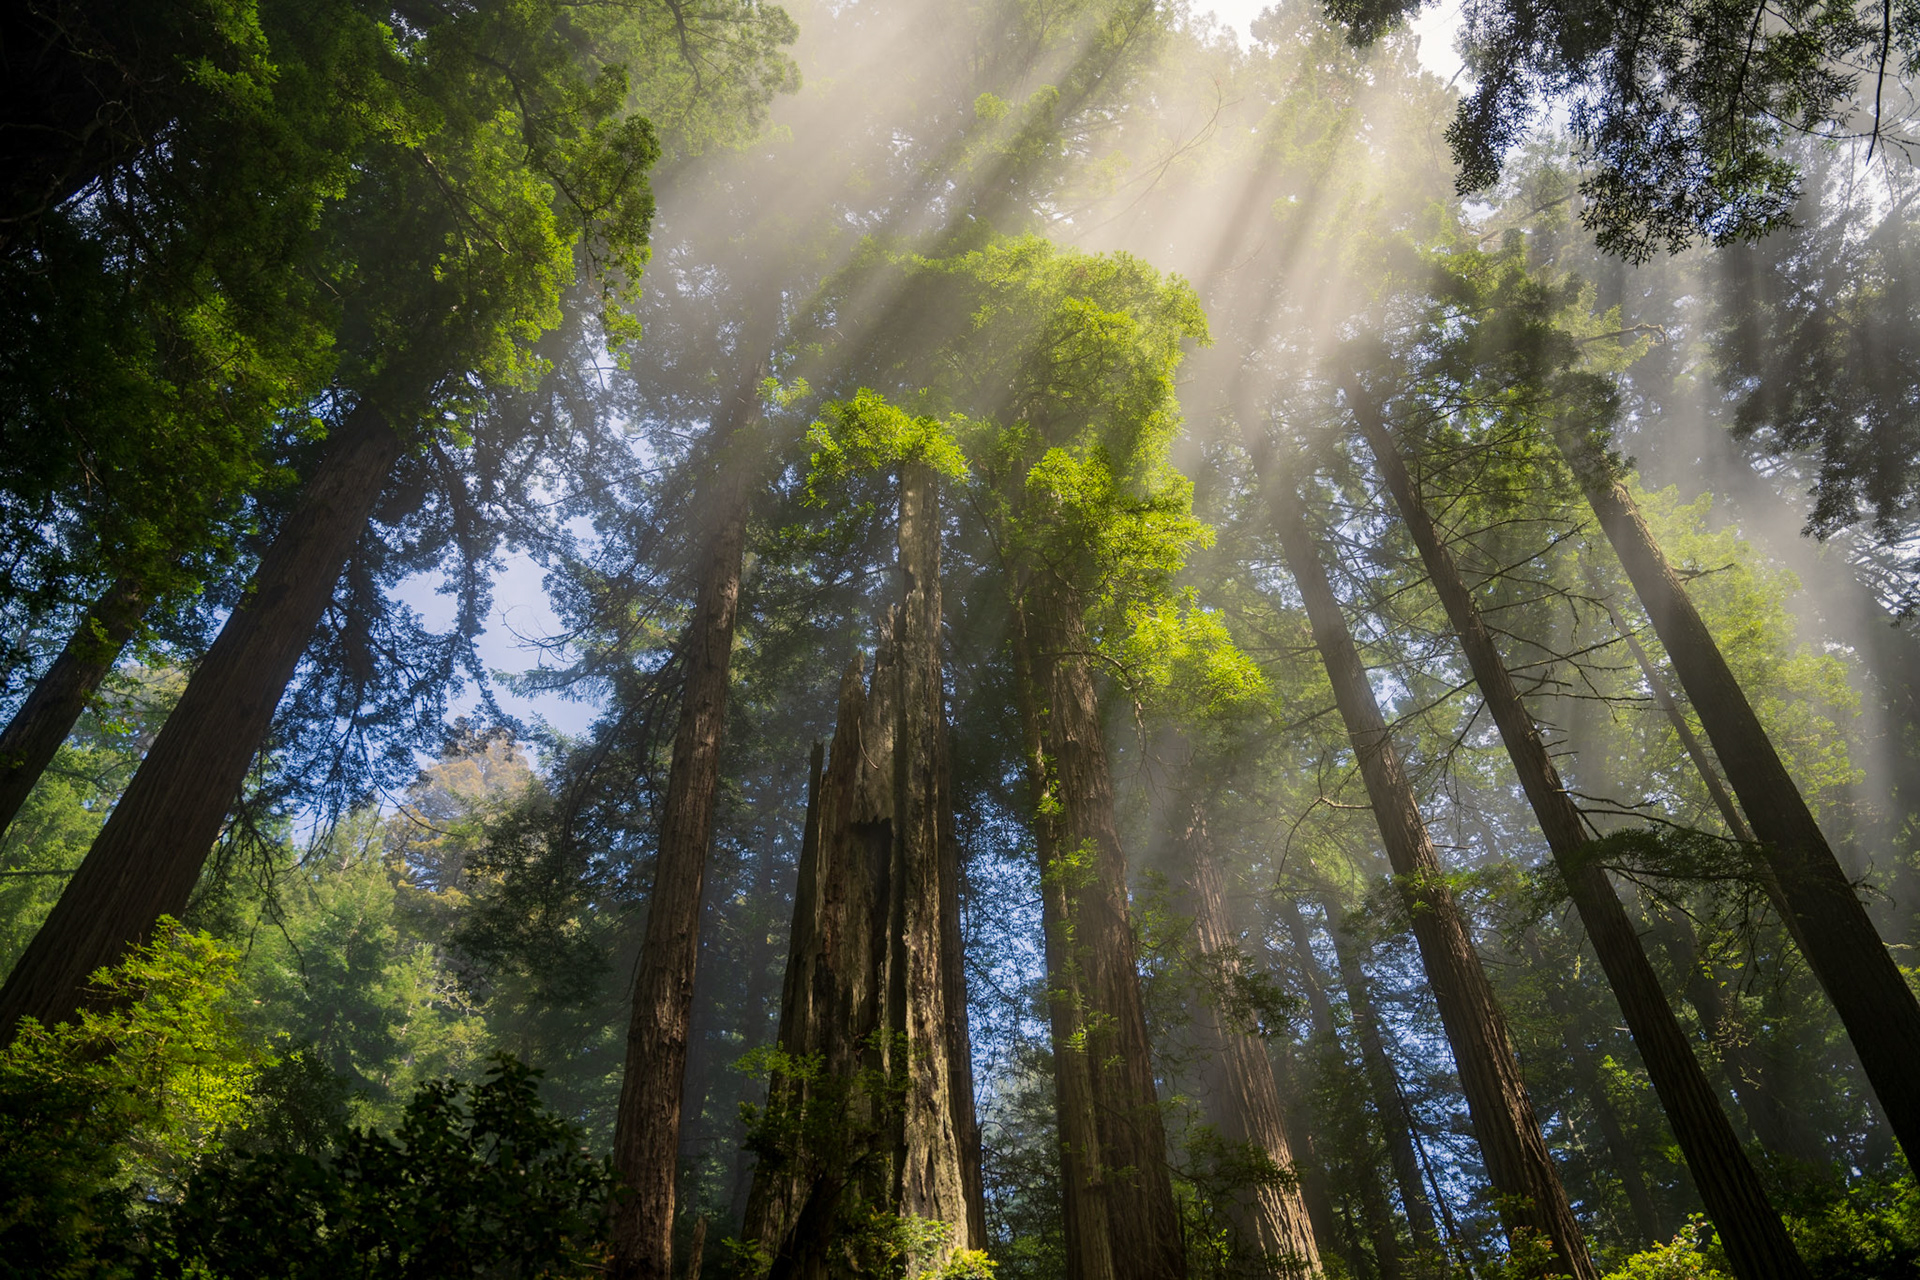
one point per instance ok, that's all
(476, 1180)
(100, 1113)
(867, 433)
(1681, 1258)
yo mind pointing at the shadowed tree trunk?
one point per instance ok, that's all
(1313, 1170)
(1395, 1121)
(1121, 1221)
(1243, 1104)
(1839, 941)
(1756, 1242)
(148, 856)
(646, 1137)
(834, 999)
(1509, 1135)
(44, 720)
(937, 1107)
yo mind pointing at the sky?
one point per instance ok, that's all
(1435, 27)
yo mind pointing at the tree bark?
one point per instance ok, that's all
(1838, 939)
(835, 988)
(1244, 1106)
(1511, 1144)
(647, 1128)
(647, 1125)
(44, 720)
(1120, 1217)
(1396, 1123)
(1750, 1230)
(1313, 1173)
(936, 1122)
(148, 856)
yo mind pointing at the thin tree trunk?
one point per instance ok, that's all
(44, 720)
(931, 1167)
(1313, 1173)
(1838, 939)
(1623, 1157)
(1396, 1124)
(1271, 1218)
(1756, 1242)
(1511, 1144)
(1120, 1217)
(647, 1127)
(146, 859)
(1778, 1127)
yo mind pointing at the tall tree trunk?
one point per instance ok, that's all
(1244, 1107)
(148, 856)
(44, 720)
(1511, 1144)
(1841, 946)
(1623, 1157)
(1779, 1128)
(1756, 1242)
(647, 1127)
(932, 1159)
(1313, 1170)
(834, 999)
(1121, 1221)
(1396, 1123)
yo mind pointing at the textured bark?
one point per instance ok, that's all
(834, 1000)
(1120, 1217)
(1755, 1241)
(1395, 1121)
(148, 856)
(647, 1130)
(1244, 1103)
(48, 715)
(1839, 942)
(1504, 1123)
(935, 1132)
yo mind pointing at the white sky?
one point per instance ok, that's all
(1435, 26)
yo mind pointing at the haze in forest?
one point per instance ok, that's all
(1082, 639)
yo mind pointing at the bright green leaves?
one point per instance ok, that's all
(1179, 647)
(867, 433)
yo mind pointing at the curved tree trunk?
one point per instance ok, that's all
(1516, 1155)
(1841, 946)
(148, 856)
(1756, 1242)
(1121, 1221)
(44, 720)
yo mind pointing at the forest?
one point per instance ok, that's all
(1040, 639)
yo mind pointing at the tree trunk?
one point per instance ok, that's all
(935, 1132)
(148, 856)
(1244, 1107)
(834, 998)
(45, 719)
(647, 1128)
(1511, 1144)
(1756, 1242)
(1396, 1123)
(1120, 1217)
(1839, 941)
(1623, 1157)
(1313, 1173)
(1778, 1127)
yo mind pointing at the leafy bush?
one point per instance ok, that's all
(478, 1180)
